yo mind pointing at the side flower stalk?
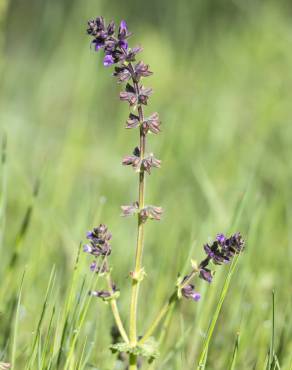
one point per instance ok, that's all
(117, 53)
(99, 247)
(221, 250)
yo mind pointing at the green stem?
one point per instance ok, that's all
(163, 330)
(164, 310)
(139, 253)
(133, 362)
(140, 235)
(166, 324)
(115, 311)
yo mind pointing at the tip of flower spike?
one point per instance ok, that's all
(123, 25)
(223, 248)
(123, 30)
(220, 238)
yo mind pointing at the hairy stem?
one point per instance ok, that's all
(140, 235)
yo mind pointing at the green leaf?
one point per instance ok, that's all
(149, 349)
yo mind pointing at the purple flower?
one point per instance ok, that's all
(141, 70)
(144, 94)
(130, 210)
(123, 44)
(221, 238)
(223, 249)
(110, 45)
(151, 212)
(104, 294)
(123, 31)
(149, 162)
(100, 25)
(99, 44)
(123, 27)
(133, 121)
(87, 248)
(130, 95)
(108, 60)
(115, 45)
(99, 239)
(145, 164)
(94, 267)
(152, 124)
(96, 26)
(133, 160)
(189, 292)
(206, 274)
(122, 73)
(131, 54)
(100, 293)
(111, 28)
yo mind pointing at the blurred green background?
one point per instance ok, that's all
(222, 81)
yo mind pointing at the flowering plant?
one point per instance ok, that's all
(127, 70)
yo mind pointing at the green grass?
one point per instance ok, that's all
(223, 90)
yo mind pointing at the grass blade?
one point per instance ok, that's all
(34, 349)
(16, 321)
(235, 352)
(214, 319)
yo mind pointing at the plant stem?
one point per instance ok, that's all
(164, 310)
(166, 324)
(133, 362)
(140, 236)
(115, 310)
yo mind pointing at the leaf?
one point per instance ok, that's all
(149, 349)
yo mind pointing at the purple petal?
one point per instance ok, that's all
(108, 60)
(98, 46)
(89, 235)
(124, 44)
(123, 26)
(206, 274)
(196, 296)
(221, 238)
(87, 248)
(93, 266)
